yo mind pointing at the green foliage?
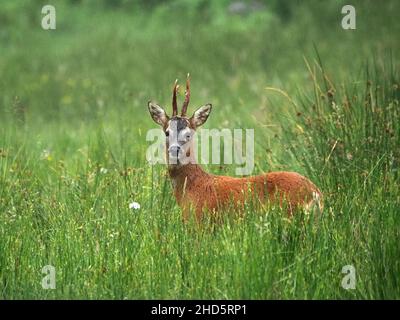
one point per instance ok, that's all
(73, 123)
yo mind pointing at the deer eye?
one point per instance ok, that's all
(188, 136)
(167, 133)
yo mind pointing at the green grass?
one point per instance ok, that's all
(74, 100)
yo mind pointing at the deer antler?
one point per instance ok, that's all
(174, 104)
(187, 97)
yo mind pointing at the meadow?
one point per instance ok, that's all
(323, 101)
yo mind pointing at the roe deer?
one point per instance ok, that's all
(197, 189)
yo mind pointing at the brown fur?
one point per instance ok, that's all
(195, 188)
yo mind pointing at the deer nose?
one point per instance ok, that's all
(174, 150)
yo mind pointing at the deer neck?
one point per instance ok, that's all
(186, 177)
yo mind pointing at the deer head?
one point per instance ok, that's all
(179, 130)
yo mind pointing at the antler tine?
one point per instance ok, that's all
(174, 104)
(187, 96)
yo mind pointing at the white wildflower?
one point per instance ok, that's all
(134, 205)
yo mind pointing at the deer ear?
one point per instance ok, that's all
(201, 115)
(157, 113)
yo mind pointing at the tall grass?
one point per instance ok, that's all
(81, 223)
(72, 152)
(349, 139)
